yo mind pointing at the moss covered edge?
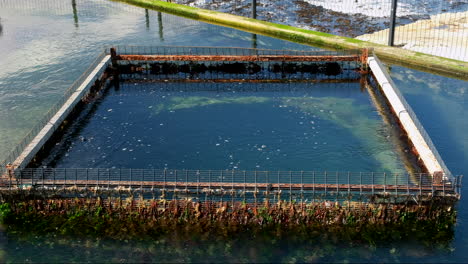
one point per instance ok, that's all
(416, 60)
(131, 218)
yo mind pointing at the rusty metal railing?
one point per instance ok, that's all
(241, 183)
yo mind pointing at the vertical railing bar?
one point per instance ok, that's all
(396, 185)
(186, 181)
(432, 185)
(198, 182)
(87, 177)
(131, 178)
(244, 184)
(420, 185)
(108, 178)
(290, 186)
(209, 181)
(326, 183)
(373, 183)
(443, 185)
(385, 182)
(407, 183)
(302, 187)
(222, 189)
(165, 179)
(360, 183)
(349, 184)
(313, 184)
(337, 184)
(279, 183)
(175, 184)
(232, 190)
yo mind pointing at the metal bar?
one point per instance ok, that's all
(385, 181)
(393, 12)
(290, 186)
(254, 9)
(131, 178)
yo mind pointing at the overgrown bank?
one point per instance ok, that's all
(129, 218)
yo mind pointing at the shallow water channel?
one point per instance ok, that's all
(45, 45)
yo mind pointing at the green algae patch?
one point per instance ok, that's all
(355, 119)
(178, 102)
(433, 64)
(150, 219)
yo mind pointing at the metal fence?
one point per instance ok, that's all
(232, 51)
(429, 26)
(288, 184)
(53, 110)
(211, 63)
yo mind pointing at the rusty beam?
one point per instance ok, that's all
(263, 58)
(240, 80)
(448, 188)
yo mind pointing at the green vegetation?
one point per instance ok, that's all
(150, 219)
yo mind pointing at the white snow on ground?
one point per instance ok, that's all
(381, 8)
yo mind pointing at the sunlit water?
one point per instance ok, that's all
(43, 48)
(296, 126)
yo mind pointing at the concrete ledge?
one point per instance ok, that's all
(417, 60)
(46, 132)
(426, 154)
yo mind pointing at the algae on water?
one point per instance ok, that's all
(343, 112)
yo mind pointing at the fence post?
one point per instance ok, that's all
(391, 36)
(254, 8)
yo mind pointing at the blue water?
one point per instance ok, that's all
(43, 48)
(240, 126)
